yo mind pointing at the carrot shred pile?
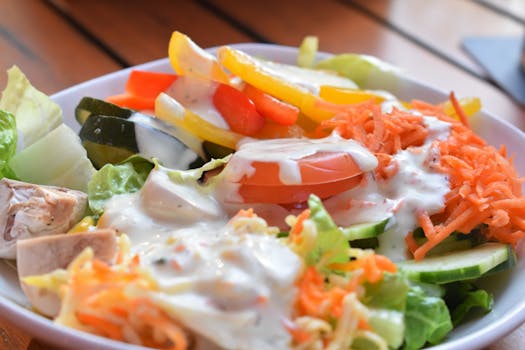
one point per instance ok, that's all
(485, 188)
(315, 299)
(383, 134)
(100, 304)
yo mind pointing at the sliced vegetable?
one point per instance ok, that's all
(56, 159)
(459, 265)
(295, 85)
(238, 110)
(187, 58)
(366, 230)
(142, 88)
(112, 140)
(148, 84)
(348, 96)
(91, 106)
(36, 114)
(270, 107)
(287, 194)
(172, 112)
(320, 167)
(470, 105)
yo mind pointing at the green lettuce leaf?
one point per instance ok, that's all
(36, 114)
(331, 245)
(386, 301)
(366, 71)
(8, 139)
(463, 297)
(427, 319)
(307, 52)
(126, 177)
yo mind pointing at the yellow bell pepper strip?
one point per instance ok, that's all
(187, 58)
(172, 112)
(348, 96)
(277, 80)
(83, 225)
(469, 105)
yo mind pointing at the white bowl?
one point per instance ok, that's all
(508, 287)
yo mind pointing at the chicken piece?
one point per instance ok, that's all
(28, 210)
(37, 256)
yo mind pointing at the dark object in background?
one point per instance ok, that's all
(503, 59)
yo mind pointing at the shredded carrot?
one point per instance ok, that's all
(297, 228)
(103, 306)
(299, 336)
(383, 134)
(459, 111)
(485, 189)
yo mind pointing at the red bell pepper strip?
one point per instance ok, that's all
(142, 88)
(276, 110)
(238, 110)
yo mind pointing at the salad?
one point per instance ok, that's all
(238, 203)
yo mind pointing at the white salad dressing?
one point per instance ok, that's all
(271, 151)
(308, 79)
(234, 287)
(196, 95)
(414, 188)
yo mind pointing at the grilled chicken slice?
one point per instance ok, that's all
(28, 210)
(37, 256)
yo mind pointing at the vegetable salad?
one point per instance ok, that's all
(240, 203)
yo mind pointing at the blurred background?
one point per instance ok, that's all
(59, 43)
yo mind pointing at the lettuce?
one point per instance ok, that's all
(463, 297)
(8, 139)
(36, 114)
(307, 52)
(427, 319)
(386, 300)
(126, 177)
(330, 245)
(366, 71)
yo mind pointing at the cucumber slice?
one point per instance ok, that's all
(458, 265)
(365, 230)
(89, 106)
(112, 140)
(454, 242)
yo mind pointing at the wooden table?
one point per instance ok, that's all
(59, 43)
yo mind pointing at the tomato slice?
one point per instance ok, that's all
(321, 167)
(282, 194)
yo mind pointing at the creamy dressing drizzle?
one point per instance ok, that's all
(307, 79)
(273, 151)
(232, 286)
(197, 95)
(415, 187)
